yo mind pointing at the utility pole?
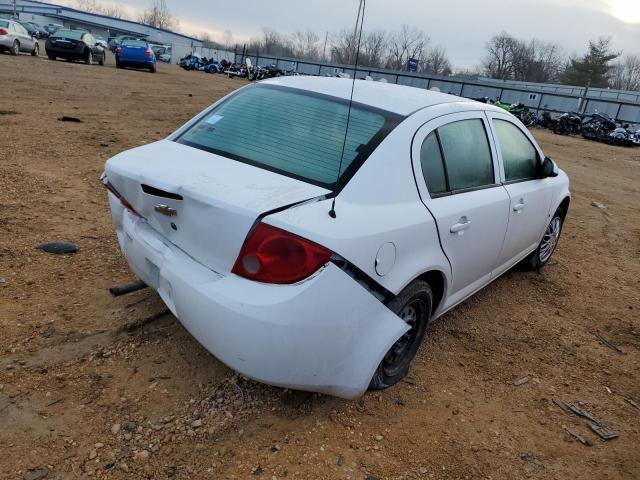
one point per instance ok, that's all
(324, 49)
(15, 13)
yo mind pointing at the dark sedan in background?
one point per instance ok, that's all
(75, 45)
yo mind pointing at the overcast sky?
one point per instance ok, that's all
(462, 27)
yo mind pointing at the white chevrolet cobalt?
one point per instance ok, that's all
(306, 261)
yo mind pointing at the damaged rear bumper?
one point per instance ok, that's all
(326, 334)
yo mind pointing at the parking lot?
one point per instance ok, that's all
(114, 387)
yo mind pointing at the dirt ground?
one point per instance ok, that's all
(115, 388)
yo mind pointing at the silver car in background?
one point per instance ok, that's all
(15, 38)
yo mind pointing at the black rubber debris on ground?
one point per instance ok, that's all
(58, 247)
(69, 119)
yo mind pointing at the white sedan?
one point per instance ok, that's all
(304, 260)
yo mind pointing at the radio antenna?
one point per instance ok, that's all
(359, 18)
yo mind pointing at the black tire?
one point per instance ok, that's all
(118, 64)
(51, 57)
(152, 68)
(15, 48)
(36, 50)
(103, 59)
(395, 364)
(541, 255)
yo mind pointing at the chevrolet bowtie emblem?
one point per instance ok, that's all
(165, 210)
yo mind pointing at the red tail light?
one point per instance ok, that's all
(3, 31)
(148, 52)
(119, 50)
(272, 255)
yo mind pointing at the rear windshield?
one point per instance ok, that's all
(134, 43)
(71, 34)
(293, 132)
(4, 24)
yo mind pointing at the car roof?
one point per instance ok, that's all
(400, 99)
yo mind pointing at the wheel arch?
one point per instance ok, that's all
(564, 205)
(438, 283)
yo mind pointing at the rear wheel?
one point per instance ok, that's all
(412, 305)
(15, 48)
(103, 59)
(541, 256)
(51, 57)
(152, 68)
(36, 49)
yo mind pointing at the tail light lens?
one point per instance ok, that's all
(119, 50)
(148, 52)
(272, 255)
(3, 31)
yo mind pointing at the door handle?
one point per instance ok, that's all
(519, 206)
(463, 224)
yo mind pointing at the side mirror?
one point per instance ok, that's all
(548, 168)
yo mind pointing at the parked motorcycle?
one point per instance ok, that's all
(212, 66)
(260, 73)
(598, 127)
(237, 70)
(520, 111)
(569, 123)
(545, 120)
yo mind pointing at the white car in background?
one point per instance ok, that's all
(231, 219)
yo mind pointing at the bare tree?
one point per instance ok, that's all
(343, 48)
(227, 39)
(306, 44)
(408, 42)
(508, 58)
(94, 6)
(374, 48)
(625, 75)
(498, 62)
(436, 61)
(159, 16)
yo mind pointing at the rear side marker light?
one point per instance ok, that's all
(272, 255)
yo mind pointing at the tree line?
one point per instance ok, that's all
(506, 57)
(157, 14)
(509, 58)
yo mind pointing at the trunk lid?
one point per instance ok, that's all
(133, 53)
(216, 200)
(65, 43)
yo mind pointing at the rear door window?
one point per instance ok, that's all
(467, 154)
(519, 156)
(294, 132)
(457, 157)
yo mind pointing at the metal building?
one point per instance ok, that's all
(101, 25)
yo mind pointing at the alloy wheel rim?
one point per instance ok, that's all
(550, 239)
(396, 357)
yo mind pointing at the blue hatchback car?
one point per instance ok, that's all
(135, 53)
